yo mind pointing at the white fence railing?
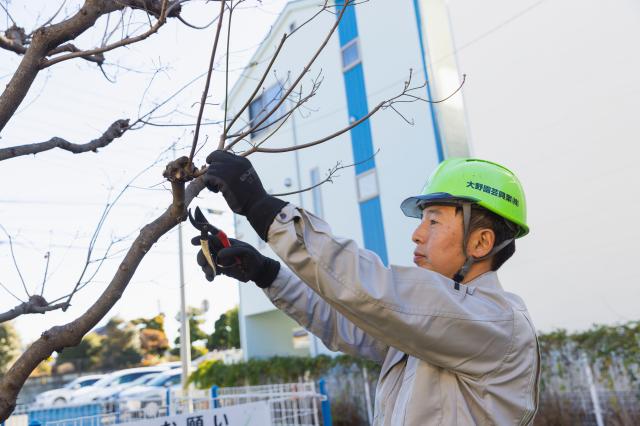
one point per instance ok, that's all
(295, 404)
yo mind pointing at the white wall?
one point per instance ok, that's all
(407, 153)
(553, 93)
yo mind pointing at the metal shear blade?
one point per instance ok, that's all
(202, 225)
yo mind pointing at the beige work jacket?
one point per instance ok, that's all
(449, 356)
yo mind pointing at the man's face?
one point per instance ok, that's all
(438, 240)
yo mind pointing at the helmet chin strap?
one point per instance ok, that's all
(470, 260)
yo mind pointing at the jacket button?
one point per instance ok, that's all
(283, 216)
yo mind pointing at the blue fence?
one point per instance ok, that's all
(76, 413)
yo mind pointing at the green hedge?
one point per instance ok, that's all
(601, 343)
(277, 369)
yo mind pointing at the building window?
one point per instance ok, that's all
(350, 55)
(262, 105)
(316, 193)
(367, 183)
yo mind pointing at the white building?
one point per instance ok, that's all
(550, 92)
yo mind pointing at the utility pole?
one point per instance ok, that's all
(185, 335)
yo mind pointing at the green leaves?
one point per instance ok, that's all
(273, 370)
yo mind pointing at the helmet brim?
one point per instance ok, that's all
(413, 206)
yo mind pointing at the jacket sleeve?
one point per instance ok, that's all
(309, 310)
(412, 309)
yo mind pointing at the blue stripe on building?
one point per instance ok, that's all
(434, 118)
(361, 140)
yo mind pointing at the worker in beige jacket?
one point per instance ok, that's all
(455, 348)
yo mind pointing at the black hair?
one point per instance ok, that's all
(501, 227)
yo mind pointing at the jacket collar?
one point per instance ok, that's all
(488, 280)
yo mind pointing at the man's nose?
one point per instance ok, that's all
(420, 234)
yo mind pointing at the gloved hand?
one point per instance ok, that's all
(241, 187)
(240, 261)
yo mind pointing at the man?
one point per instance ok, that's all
(455, 348)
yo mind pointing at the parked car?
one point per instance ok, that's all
(110, 396)
(105, 385)
(147, 399)
(61, 396)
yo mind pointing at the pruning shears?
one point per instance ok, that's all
(206, 229)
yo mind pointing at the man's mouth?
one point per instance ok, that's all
(417, 257)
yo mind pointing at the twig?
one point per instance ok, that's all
(46, 270)
(8, 14)
(227, 127)
(330, 175)
(301, 101)
(195, 27)
(105, 213)
(388, 103)
(15, 262)
(164, 12)
(161, 104)
(50, 20)
(205, 92)
(226, 68)
(10, 292)
(295, 83)
(284, 38)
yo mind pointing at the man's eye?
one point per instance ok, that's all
(432, 222)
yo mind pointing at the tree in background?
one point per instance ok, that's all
(196, 333)
(120, 347)
(226, 333)
(83, 357)
(45, 368)
(9, 346)
(153, 339)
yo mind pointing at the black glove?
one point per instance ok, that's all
(241, 187)
(240, 261)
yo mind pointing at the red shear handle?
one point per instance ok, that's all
(223, 239)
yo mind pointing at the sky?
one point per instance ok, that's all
(52, 202)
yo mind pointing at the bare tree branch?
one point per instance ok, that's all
(50, 20)
(299, 103)
(284, 38)
(36, 305)
(45, 39)
(15, 261)
(71, 333)
(227, 127)
(10, 292)
(205, 92)
(226, 68)
(405, 96)
(304, 71)
(195, 27)
(115, 130)
(329, 178)
(7, 12)
(14, 39)
(46, 270)
(165, 10)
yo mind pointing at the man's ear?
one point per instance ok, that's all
(481, 242)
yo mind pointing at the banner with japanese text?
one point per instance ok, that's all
(251, 414)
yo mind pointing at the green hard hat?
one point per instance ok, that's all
(481, 182)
